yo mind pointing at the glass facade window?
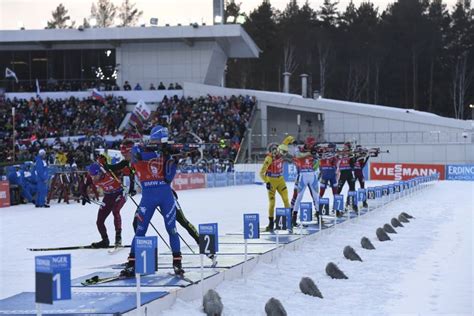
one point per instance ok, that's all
(55, 70)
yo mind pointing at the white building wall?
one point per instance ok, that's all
(411, 136)
(170, 62)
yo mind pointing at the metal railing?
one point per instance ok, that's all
(415, 137)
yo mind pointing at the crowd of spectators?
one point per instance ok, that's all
(219, 122)
(161, 86)
(53, 85)
(38, 119)
(215, 122)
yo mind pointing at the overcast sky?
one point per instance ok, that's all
(33, 14)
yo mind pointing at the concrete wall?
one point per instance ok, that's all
(147, 63)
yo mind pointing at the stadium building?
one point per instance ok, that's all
(196, 57)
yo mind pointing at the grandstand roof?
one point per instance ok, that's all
(231, 37)
(297, 102)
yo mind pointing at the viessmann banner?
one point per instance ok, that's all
(403, 171)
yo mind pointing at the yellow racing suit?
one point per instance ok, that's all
(272, 174)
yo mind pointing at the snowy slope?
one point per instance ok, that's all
(427, 268)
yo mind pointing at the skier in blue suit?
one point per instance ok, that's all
(41, 171)
(155, 167)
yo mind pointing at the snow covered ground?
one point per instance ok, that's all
(426, 269)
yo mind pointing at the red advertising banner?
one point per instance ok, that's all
(403, 171)
(187, 181)
(4, 193)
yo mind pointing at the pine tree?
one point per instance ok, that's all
(104, 13)
(128, 14)
(60, 18)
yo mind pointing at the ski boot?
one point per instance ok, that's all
(364, 204)
(271, 225)
(129, 271)
(118, 239)
(177, 267)
(294, 217)
(104, 243)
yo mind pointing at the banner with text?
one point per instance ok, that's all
(187, 181)
(403, 171)
(460, 172)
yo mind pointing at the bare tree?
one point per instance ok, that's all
(104, 13)
(289, 58)
(461, 81)
(128, 14)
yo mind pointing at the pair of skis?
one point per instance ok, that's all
(98, 280)
(112, 249)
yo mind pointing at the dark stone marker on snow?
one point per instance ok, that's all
(403, 219)
(389, 229)
(381, 234)
(274, 308)
(366, 244)
(308, 287)
(212, 304)
(396, 223)
(407, 215)
(351, 254)
(334, 272)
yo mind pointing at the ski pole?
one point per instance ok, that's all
(177, 203)
(115, 177)
(156, 230)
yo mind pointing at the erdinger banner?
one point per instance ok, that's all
(186, 181)
(460, 172)
(403, 171)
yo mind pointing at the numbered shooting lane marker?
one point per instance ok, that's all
(145, 254)
(283, 218)
(338, 204)
(283, 221)
(306, 214)
(323, 210)
(251, 226)
(385, 193)
(208, 239)
(379, 195)
(370, 195)
(145, 261)
(352, 199)
(397, 188)
(251, 231)
(391, 191)
(362, 195)
(53, 279)
(208, 244)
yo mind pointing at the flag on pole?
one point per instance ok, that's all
(37, 88)
(10, 74)
(140, 115)
(99, 96)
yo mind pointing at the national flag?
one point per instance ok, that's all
(140, 115)
(10, 74)
(136, 120)
(37, 88)
(99, 96)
